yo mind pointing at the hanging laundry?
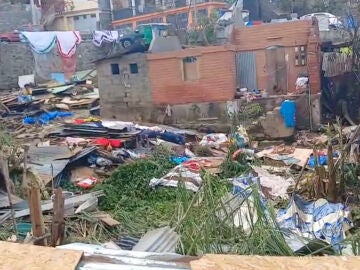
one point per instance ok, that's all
(100, 37)
(67, 42)
(40, 42)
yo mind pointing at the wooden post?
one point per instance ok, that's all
(24, 176)
(332, 191)
(58, 223)
(36, 216)
(5, 173)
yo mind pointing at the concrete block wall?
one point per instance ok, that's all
(17, 59)
(13, 16)
(125, 95)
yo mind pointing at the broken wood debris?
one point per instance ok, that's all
(75, 200)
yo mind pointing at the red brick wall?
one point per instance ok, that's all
(289, 35)
(216, 67)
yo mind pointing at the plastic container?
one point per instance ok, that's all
(23, 229)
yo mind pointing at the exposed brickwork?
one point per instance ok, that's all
(288, 35)
(216, 65)
(314, 60)
(216, 70)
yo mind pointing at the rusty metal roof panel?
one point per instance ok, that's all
(98, 257)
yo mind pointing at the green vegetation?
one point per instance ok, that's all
(132, 202)
(193, 215)
(204, 33)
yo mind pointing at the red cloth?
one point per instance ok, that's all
(195, 165)
(79, 121)
(69, 66)
(88, 182)
(106, 142)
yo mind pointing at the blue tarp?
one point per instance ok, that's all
(287, 111)
(46, 118)
(179, 160)
(310, 220)
(316, 220)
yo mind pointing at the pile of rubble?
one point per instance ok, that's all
(59, 157)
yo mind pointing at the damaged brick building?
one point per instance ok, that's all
(200, 82)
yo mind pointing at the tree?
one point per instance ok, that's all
(204, 32)
(337, 7)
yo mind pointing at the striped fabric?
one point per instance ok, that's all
(316, 220)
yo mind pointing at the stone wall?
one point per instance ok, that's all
(16, 59)
(13, 16)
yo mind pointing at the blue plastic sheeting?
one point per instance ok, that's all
(242, 185)
(322, 160)
(309, 220)
(24, 99)
(288, 111)
(316, 220)
(46, 118)
(179, 160)
(58, 77)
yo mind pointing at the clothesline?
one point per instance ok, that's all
(43, 42)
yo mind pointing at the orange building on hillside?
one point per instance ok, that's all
(180, 17)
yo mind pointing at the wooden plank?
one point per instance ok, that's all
(230, 262)
(5, 172)
(106, 219)
(15, 256)
(37, 220)
(76, 201)
(58, 223)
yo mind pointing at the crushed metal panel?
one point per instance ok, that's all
(49, 170)
(49, 161)
(5, 215)
(48, 153)
(60, 89)
(98, 257)
(84, 75)
(4, 199)
(159, 240)
(246, 70)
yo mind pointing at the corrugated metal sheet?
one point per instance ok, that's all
(48, 161)
(159, 240)
(246, 70)
(97, 257)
